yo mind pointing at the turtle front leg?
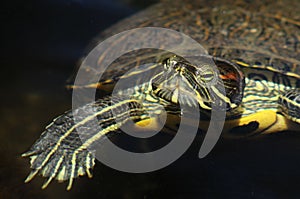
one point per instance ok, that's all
(64, 150)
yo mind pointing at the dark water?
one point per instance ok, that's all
(41, 44)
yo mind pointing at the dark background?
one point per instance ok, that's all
(42, 42)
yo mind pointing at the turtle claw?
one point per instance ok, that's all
(70, 184)
(28, 153)
(46, 183)
(89, 174)
(31, 176)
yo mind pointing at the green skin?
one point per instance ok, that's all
(255, 36)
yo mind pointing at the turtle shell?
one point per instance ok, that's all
(254, 34)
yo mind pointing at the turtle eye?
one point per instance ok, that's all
(166, 63)
(206, 75)
(171, 62)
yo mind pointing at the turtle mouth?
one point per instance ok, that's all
(175, 90)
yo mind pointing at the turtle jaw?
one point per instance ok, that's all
(177, 84)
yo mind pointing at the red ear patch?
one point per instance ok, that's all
(232, 76)
(233, 79)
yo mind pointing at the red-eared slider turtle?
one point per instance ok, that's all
(259, 38)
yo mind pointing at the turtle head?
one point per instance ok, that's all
(208, 82)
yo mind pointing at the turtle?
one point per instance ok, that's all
(255, 46)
